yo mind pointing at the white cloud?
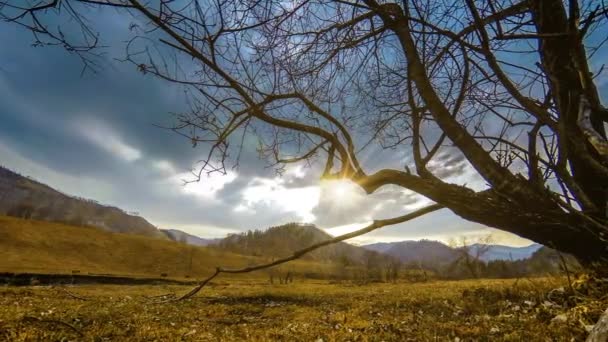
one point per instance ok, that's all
(297, 171)
(103, 136)
(164, 166)
(344, 203)
(242, 208)
(206, 187)
(272, 193)
(415, 201)
(81, 186)
(201, 230)
(345, 229)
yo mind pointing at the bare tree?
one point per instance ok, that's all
(471, 253)
(505, 85)
(393, 266)
(23, 210)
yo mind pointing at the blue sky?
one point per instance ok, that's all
(94, 136)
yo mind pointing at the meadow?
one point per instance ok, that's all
(480, 310)
(55, 248)
(247, 307)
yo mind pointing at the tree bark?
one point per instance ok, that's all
(541, 222)
(564, 61)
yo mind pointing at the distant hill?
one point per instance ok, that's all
(26, 198)
(546, 258)
(424, 252)
(55, 248)
(380, 247)
(429, 252)
(183, 237)
(500, 252)
(281, 241)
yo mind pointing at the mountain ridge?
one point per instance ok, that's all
(284, 240)
(24, 197)
(187, 238)
(427, 252)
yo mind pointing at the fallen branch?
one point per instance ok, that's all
(377, 224)
(61, 289)
(52, 321)
(160, 296)
(164, 298)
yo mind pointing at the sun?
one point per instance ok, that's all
(342, 191)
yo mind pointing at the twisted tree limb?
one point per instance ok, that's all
(584, 123)
(377, 224)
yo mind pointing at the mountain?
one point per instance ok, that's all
(183, 237)
(424, 252)
(500, 252)
(380, 247)
(26, 198)
(429, 252)
(281, 241)
(547, 259)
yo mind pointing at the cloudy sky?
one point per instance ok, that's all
(96, 136)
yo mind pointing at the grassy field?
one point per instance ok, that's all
(248, 308)
(45, 247)
(483, 310)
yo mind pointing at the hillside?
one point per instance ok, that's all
(44, 247)
(429, 252)
(546, 259)
(26, 198)
(424, 252)
(283, 240)
(183, 237)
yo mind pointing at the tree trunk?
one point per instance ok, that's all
(543, 222)
(564, 61)
(515, 204)
(564, 232)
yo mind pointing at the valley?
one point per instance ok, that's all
(111, 275)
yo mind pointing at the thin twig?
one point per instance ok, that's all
(52, 321)
(61, 289)
(160, 296)
(567, 270)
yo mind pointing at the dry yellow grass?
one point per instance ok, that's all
(248, 308)
(502, 310)
(44, 247)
